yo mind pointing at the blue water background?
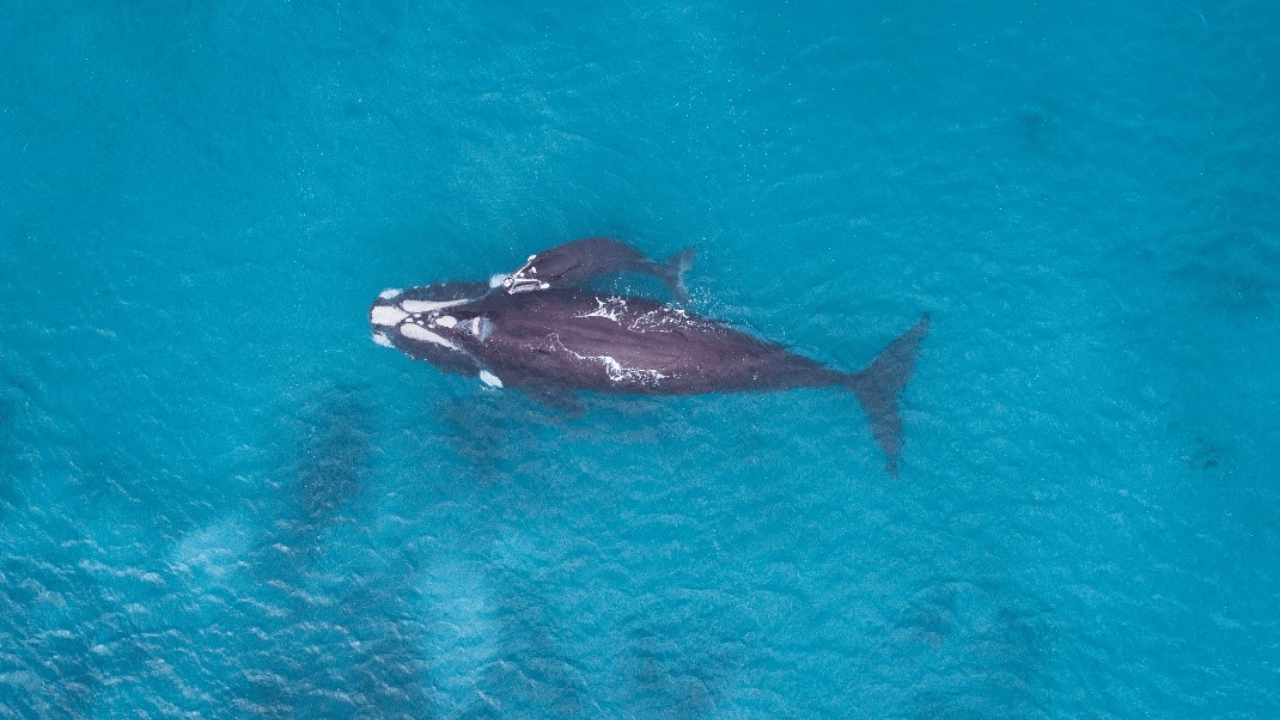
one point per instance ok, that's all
(218, 498)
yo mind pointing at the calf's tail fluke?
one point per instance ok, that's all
(673, 271)
(880, 385)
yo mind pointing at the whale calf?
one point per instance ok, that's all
(573, 263)
(565, 337)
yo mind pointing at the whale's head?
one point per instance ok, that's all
(432, 323)
(523, 280)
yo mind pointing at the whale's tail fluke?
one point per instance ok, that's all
(880, 385)
(672, 273)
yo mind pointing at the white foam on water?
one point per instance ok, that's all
(463, 629)
(610, 308)
(615, 370)
(212, 552)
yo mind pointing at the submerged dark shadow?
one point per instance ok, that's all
(320, 481)
(8, 471)
(1237, 272)
(497, 434)
(353, 657)
(53, 613)
(1203, 455)
(979, 653)
(333, 454)
(531, 678)
(1043, 133)
(328, 644)
(678, 660)
(667, 680)
(13, 396)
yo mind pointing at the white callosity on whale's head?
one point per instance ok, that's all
(387, 315)
(517, 284)
(395, 317)
(522, 280)
(425, 306)
(414, 331)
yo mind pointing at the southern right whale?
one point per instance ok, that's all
(573, 263)
(565, 338)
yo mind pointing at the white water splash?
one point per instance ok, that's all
(615, 370)
(611, 308)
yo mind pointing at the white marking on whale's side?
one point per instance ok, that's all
(381, 339)
(490, 379)
(389, 293)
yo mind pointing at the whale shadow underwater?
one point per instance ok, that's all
(541, 330)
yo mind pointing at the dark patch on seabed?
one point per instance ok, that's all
(8, 482)
(325, 477)
(676, 669)
(332, 456)
(350, 657)
(504, 434)
(498, 434)
(51, 618)
(13, 397)
(1234, 271)
(332, 645)
(532, 678)
(1204, 455)
(974, 651)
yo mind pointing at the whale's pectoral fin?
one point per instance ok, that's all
(880, 385)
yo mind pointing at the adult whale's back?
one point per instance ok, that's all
(615, 344)
(576, 339)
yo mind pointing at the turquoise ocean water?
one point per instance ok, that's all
(219, 499)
